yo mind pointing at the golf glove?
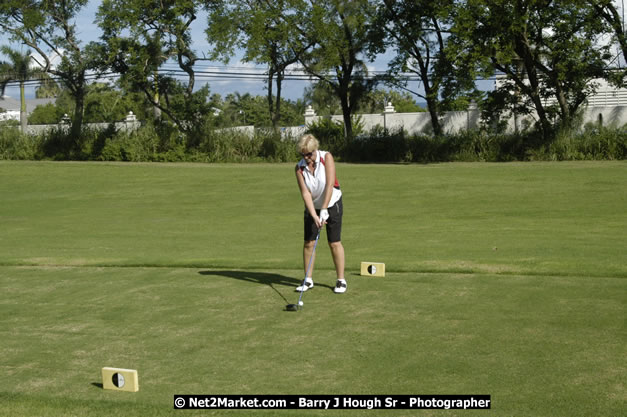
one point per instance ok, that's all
(324, 215)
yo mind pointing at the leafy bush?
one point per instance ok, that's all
(593, 143)
(164, 142)
(58, 144)
(229, 145)
(136, 146)
(330, 134)
(16, 145)
(426, 148)
(602, 143)
(380, 145)
(478, 145)
(276, 148)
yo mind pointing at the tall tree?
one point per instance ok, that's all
(265, 31)
(47, 26)
(418, 30)
(338, 33)
(19, 69)
(548, 49)
(607, 10)
(139, 38)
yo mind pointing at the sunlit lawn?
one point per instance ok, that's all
(502, 279)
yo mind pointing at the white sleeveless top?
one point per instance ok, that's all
(316, 181)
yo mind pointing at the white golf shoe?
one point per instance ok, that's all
(340, 286)
(308, 284)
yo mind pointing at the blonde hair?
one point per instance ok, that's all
(308, 143)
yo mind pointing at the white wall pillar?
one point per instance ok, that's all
(389, 109)
(310, 116)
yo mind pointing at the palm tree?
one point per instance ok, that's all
(20, 70)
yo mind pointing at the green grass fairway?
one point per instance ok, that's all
(501, 279)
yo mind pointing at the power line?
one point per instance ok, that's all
(222, 74)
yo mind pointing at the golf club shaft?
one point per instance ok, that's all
(313, 252)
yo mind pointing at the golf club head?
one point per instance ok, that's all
(291, 307)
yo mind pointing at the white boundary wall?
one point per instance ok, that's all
(413, 123)
(453, 122)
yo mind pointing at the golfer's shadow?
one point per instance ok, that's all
(263, 278)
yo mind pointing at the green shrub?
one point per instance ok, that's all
(379, 145)
(478, 145)
(57, 144)
(16, 145)
(593, 143)
(276, 148)
(140, 145)
(602, 142)
(229, 145)
(330, 134)
(427, 148)
(165, 143)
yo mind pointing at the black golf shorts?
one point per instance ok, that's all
(334, 224)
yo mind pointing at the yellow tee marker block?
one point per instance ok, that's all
(373, 269)
(119, 379)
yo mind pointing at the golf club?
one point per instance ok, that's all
(296, 307)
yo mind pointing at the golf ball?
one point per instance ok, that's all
(300, 303)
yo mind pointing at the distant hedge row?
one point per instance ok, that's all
(167, 144)
(593, 142)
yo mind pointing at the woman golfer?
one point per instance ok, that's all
(321, 193)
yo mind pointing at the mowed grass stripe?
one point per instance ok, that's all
(530, 342)
(521, 218)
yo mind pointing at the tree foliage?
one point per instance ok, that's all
(326, 103)
(19, 69)
(139, 38)
(245, 109)
(418, 31)
(265, 32)
(549, 51)
(48, 27)
(338, 33)
(376, 100)
(607, 11)
(545, 54)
